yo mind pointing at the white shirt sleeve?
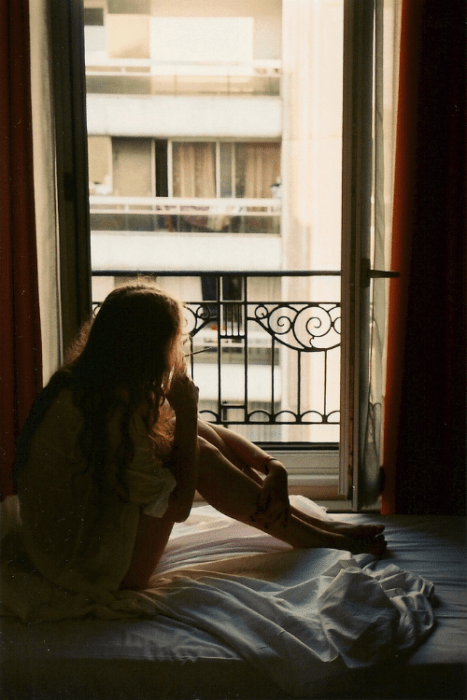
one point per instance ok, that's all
(149, 482)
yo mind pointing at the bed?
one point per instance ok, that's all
(180, 656)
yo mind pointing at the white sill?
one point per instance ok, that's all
(314, 474)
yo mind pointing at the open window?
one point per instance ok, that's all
(243, 198)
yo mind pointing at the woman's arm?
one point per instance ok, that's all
(249, 453)
(153, 533)
(151, 539)
(183, 397)
(273, 502)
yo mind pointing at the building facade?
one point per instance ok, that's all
(215, 146)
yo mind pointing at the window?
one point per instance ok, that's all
(180, 163)
(144, 167)
(148, 167)
(200, 174)
(194, 170)
(225, 169)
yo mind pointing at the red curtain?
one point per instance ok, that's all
(20, 338)
(425, 423)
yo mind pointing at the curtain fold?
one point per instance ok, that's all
(425, 421)
(261, 168)
(20, 334)
(48, 248)
(194, 170)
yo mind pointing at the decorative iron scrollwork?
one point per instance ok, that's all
(198, 317)
(309, 327)
(251, 335)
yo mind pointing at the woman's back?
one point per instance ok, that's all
(77, 538)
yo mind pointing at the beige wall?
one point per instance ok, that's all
(128, 36)
(132, 167)
(266, 14)
(100, 160)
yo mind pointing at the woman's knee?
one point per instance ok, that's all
(208, 453)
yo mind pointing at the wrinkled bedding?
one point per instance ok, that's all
(224, 591)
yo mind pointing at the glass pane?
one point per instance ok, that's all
(207, 108)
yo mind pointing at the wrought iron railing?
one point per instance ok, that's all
(259, 361)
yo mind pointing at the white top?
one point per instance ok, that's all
(71, 539)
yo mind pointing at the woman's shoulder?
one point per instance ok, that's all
(53, 447)
(62, 420)
(59, 402)
(57, 392)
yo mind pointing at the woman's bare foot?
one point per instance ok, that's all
(357, 530)
(375, 545)
(337, 527)
(359, 538)
(372, 545)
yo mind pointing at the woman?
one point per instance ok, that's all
(113, 452)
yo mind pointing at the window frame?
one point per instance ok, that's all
(68, 88)
(69, 106)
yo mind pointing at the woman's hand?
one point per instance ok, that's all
(273, 502)
(183, 395)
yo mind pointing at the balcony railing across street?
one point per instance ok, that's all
(180, 214)
(181, 205)
(260, 361)
(111, 75)
(142, 66)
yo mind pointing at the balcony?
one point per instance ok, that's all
(261, 363)
(146, 77)
(180, 215)
(267, 366)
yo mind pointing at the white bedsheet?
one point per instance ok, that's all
(240, 586)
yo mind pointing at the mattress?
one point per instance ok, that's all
(165, 658)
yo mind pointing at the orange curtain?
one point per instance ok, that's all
(425, 420)
(20, 337)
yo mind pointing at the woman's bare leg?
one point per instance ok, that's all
(240, 452)
(150, 542)
(247, 457)
(235, 494)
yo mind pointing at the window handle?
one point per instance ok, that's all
(368, 273)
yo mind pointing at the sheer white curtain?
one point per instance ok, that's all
(262, 168)
(194, 170)
(371, 48)
(44, 187)
(386, 70)
(194, 175)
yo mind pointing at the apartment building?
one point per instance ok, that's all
(215, 148)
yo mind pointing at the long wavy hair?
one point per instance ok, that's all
(121, 361)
